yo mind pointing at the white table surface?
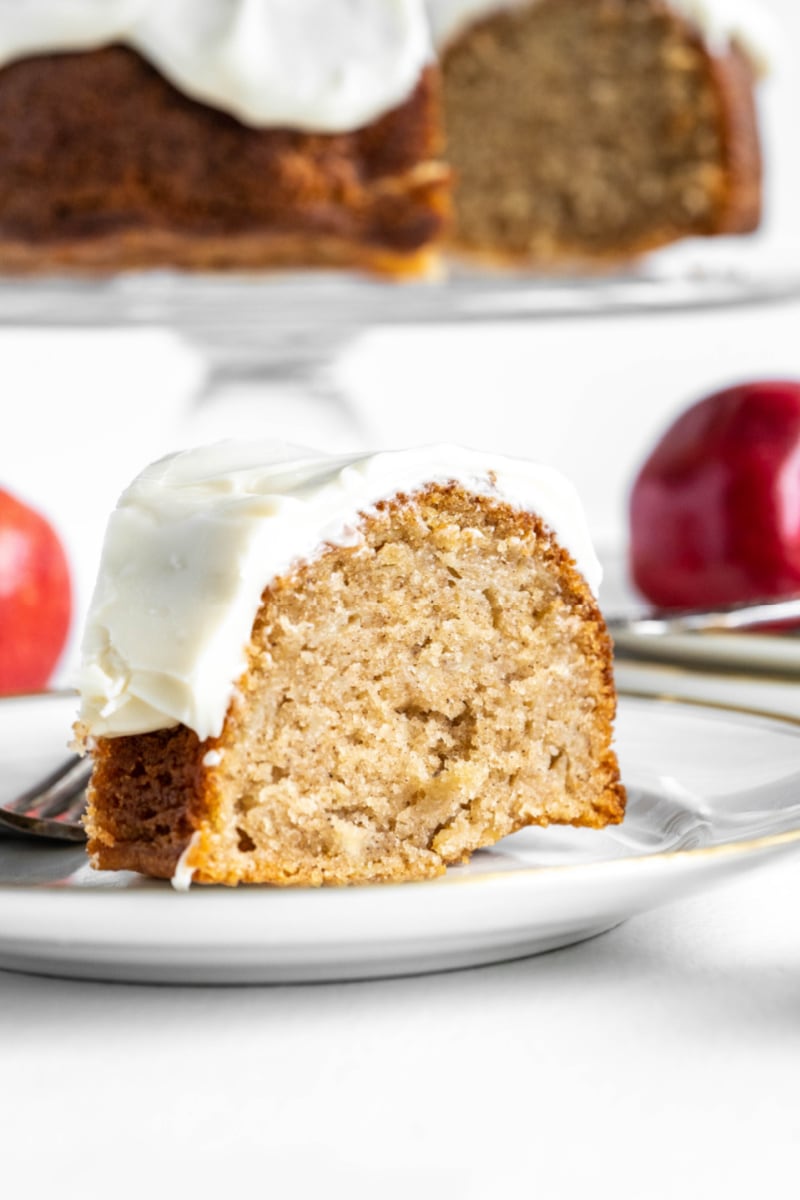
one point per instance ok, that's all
(660, 1060)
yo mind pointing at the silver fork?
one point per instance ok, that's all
(53, 807)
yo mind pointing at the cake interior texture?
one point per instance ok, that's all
(407, 700)
(596, 130)
(105, 164)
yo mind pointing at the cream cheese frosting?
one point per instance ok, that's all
(721, 22)
(319, 65)
(198, 535)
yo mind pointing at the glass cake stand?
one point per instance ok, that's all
(268, 342)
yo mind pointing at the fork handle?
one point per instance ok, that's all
(49, 795)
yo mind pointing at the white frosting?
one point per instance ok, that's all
(184, 874)
(198, 535)
(720, 22)
(324, 65)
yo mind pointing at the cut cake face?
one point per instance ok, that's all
(431, 675)
(587, 132)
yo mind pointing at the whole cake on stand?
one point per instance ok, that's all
(244, 134)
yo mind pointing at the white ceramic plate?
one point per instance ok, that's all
(712, 792)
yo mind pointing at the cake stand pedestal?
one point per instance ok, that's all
(269, 343)
(279, 387)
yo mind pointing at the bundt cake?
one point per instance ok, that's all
(586, 132)
(276, 133)
(325, 670)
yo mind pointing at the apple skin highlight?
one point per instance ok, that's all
(715, 509)
(35, 597)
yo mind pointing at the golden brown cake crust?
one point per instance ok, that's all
(586, 132)
(464, 695)
(105, 165)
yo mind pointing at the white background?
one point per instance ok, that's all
(658, 1061)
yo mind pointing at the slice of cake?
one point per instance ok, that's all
(585, 132)
(222, 134)
(342, 670)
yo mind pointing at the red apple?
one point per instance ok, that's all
(715, 510)
(35, 597)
